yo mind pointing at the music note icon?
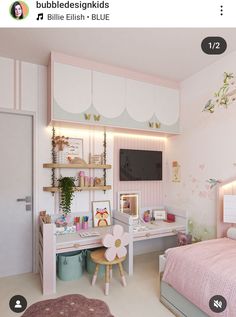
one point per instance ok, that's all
(40, 16)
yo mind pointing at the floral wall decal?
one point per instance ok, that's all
(224, 96)
(213, 182)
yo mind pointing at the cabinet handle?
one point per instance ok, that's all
(148, 234)
(76, 245)
(96, 117)
(87, 116)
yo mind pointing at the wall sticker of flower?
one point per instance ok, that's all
(213, 182)
(224, 96)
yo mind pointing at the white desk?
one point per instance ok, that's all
(73, 241)
(51, 244)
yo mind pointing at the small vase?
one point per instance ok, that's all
(61, 157)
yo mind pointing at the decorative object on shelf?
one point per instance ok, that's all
(85, 222)
(45, 217)
(175, 172)
(91, 182)
(170, 217)
(76, 160)
(81, 178)
(159, 214)
(74, 148)
(98, 181)
(213, 182)
(101, 213)
(147, 216)
(151, 124)
(66, 185)
(158, 125)
(77, 223)
(60, 143)
(224, 96)
(129, 203)
(96, 159)
(61, 221)
(87, 116)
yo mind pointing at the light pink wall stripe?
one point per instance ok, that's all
(151, 191)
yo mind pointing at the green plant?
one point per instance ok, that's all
(66, 185)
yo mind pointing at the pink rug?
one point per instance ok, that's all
(69, 306)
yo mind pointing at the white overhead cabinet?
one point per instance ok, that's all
(92, 97)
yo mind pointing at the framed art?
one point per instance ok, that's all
(129, 203)
(159, 214)
(101, 213)
(75, 148)
(175, 172)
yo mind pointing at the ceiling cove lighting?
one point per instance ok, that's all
(99, 133)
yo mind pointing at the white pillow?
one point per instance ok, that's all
(231, 233)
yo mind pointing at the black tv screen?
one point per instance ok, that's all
(140, 165)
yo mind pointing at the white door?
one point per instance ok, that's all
(16, 160)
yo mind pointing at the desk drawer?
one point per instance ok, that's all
(76, 246)
(138, 236)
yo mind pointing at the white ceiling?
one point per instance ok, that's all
(173, 54)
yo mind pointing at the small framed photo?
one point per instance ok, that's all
(101, 213)
(129, 203)
(159, 214)
(75, 148)
(95, 159)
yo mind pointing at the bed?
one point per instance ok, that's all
(192, 274)
(201, 271)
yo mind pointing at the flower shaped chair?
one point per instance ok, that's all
(113, 253)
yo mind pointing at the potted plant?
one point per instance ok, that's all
(66, 185)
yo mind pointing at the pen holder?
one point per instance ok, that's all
(85, 225)
(78, 226)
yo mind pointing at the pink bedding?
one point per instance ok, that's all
(202, 270)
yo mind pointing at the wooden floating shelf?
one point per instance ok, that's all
(82, 166)
(56, 189)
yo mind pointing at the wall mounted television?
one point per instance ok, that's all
(140, 165)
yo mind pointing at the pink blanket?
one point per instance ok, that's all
(202, 270)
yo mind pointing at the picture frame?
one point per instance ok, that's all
(175, 172)
(129, 203)
(159, 214)
(101, 213)
(75, 148)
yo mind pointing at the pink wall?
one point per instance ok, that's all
(152, 192)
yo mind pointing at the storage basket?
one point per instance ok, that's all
(71, 265)
(90, 265)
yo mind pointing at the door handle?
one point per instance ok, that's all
(27, 199)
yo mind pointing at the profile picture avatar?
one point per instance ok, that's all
(19, 10)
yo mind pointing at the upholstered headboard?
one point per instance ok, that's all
(225, 188)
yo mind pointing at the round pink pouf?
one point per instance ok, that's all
(69, 306)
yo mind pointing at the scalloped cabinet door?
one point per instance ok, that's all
(72, 88)
(108, 94)
(167, 105)
(140, 100)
